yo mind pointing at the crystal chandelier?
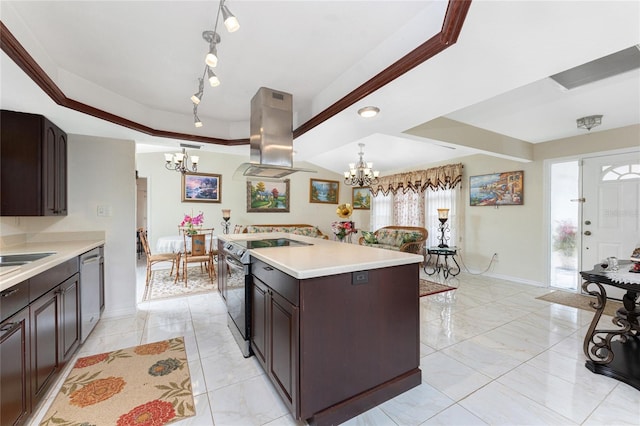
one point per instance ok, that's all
(361, 174)
(181, 162)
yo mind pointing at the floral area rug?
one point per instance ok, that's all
(162, 284)
(429, 287)
(143, 385)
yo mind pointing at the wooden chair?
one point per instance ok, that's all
(196, 251)
(152, 259)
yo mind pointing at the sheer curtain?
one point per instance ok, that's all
(408, 209)
(381, 211)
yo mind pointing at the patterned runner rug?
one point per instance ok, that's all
(148, 384)
(579, 301)
(429, 287)
(162, 286)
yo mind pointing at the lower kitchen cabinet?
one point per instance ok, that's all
(37, 341)
(335, 346)
(15, 369)
(274, 335)
(69, 294)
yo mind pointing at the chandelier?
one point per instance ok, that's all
(181, 161)
(211, 60)
(361, 174)
(589, 122)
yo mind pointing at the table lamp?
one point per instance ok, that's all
(226, 215)
(443, 216)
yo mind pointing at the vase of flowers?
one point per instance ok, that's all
(190, 222)
(343, 229)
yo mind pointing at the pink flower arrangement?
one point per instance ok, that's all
(343, 228)
(190, 221)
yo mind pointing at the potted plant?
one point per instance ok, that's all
(564, 242)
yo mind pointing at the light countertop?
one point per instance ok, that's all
(64, 250)
(323, 257)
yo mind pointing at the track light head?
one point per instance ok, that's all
(212, 57)
(230, 21)
(214, 81)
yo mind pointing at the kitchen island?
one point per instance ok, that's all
(335, 326)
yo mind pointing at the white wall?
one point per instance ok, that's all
(100, 172)
(166, 208)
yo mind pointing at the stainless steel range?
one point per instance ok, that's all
(234, 273)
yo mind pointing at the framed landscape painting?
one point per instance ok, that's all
(497, 189)
(324, 191)
(267, 196)
(361, 198)
(202, 187)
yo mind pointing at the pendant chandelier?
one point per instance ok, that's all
(361, 173)
(181, 161)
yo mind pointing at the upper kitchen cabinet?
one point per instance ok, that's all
(33, 166)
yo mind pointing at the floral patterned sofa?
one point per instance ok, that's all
(298, 229)
(409, 239)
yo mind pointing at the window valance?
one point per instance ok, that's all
(443, 177)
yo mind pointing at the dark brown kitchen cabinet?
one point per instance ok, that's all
(33, 166)
(274, 329)
(69, 294)
(15, 369)
(39, 334)
(55, 328)
(45, 341)
(335, 346)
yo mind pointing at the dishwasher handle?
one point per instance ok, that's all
(91, 259)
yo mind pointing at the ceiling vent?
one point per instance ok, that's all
(599, 69)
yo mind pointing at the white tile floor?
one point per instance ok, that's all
(491, 353)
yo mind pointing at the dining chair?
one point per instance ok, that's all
(153, 259)
(195, 250)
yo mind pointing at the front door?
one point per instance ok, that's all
(610, 215)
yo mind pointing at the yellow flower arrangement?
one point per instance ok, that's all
(344, 210)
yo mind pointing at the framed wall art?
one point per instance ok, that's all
(324, 191)
(497, 189)
(267, 196)
(361, 198)
(202, 187)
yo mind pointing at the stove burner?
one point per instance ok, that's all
(274, 242)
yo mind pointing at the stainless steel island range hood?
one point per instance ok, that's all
(271, 139)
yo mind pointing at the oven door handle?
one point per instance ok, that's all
(233, 262)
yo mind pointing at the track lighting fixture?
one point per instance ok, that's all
(211, 59)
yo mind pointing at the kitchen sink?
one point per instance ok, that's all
(22, 259)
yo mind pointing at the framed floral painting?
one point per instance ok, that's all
(202, 187)
(265, 196)
(324, 191)
(361, 198)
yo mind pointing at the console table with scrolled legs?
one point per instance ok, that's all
(613, 352)
(443, 265)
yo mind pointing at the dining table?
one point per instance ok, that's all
(175, 243)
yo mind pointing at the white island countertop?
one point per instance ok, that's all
(323, 257)
(64, 250)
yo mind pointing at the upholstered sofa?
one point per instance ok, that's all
(409, 239)
(296, 228)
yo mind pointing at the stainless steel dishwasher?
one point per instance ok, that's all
(89, 291)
